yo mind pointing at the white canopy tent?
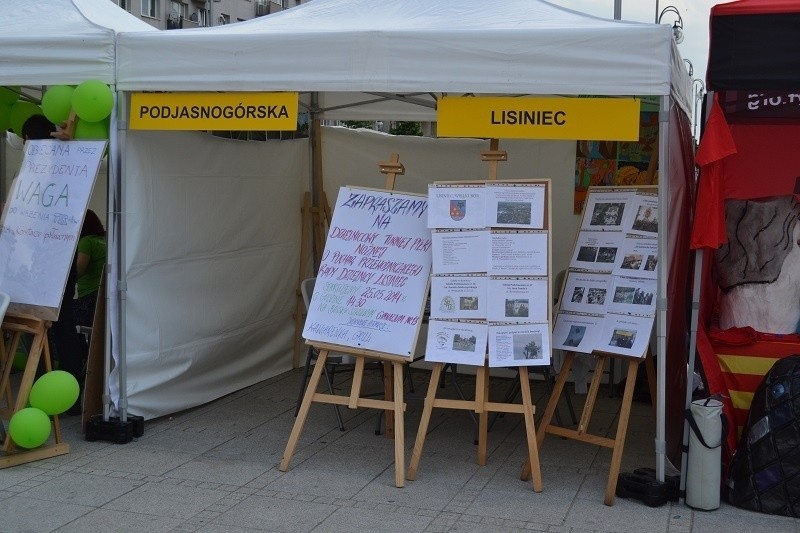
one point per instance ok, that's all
(61, 42)
(392, 59)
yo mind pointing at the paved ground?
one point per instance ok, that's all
(214, 469)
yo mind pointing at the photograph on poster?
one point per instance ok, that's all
(608, 210)
(637, 257)
(517, 299)
(586, 292)
(458, 296)
(597, 250)
(518, 252)
(577, 333)
(456, 342)
(645, 219)
(625, 334)
(519, 345)
(457, 251)
(456, 205)
(633, 295)
(518, 205)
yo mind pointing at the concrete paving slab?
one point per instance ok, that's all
(349, 519)
(20, 513)
(167, 500)
(220, 470)
(275, 514)
(119, 522)
(82, 489)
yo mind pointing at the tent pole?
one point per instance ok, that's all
(698, 269)
(663, 261)
(121, 274)
(110, 333)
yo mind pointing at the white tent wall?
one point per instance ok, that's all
(212, 258)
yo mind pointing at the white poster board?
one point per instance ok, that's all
(42, 221)
(372, 282)
(490, 283)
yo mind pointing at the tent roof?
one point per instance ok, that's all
(47, 42)
(397, 46)
(748, 45)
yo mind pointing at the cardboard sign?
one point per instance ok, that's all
(42, 221)
(372, 282)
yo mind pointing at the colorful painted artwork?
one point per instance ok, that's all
(610, 163)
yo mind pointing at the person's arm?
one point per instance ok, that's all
(81, 262)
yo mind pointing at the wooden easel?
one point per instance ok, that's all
(481, 404)
(315, 222)
(393, 379)
(17, 325)
(581, 433)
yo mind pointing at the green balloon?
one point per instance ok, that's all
(29, 427)
(8, 95)
(92, 100)
(57, 103)
(5, 116)
(54, 392)
(91, 130)
(20, 112)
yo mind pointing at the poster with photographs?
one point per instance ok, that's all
(456, 251)
(608, 211)
(645, 216)
(458, 297)
(515, 205)
(577, 333)
(523, 253)
(637, 257)
(635, 296)
(456, 342)
(585, 292)
(456, 205)
(596, 250)
(518, 299)
(519, 345)
(625, 334)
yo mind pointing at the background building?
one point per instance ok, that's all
(175, 14)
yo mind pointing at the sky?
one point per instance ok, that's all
(695, 14)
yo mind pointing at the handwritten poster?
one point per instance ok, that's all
(42, 220)
(372, 282)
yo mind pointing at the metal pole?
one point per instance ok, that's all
(617, 9)
(662, 303)
(656, 18)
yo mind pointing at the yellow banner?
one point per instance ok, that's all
(598, 119)
(240, 111)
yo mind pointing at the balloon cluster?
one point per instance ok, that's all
(91, 101)
(51, 394)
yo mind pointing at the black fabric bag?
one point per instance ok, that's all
(765, 471)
